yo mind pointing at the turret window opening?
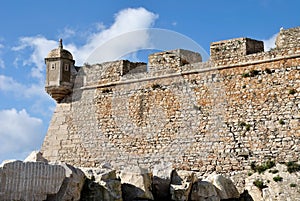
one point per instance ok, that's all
(53, 66)
(67, 67)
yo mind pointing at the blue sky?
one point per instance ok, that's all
(30, 29)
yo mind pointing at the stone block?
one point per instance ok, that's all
(136, 183)
(101, 184)
(161, 181)
(181, 184)
(229, 49)
(37, 181)
(36, 156)
(204, 191)
(224, 186)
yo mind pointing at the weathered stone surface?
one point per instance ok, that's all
(136, 183)
(36, 156)
(31, 181)
(172, 59)
(235, 47)
(161, 181)
(181, 184)
(71, 186)
(286, 189)
(37, 181)
(224, 186)
(204, 191)
(288, 38)
(101, 185)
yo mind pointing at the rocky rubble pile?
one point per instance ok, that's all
(35, 180)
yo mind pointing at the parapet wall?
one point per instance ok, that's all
(288, 38)
(238, 47)
(219, 115)
(172, 60)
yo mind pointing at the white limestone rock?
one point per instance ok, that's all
(36, 156)
(181, 184)
(102, 184)
(161, 181)
(224, 186)
(37, 181)
(31, 181)
(204, 191)
(71, 186)
(136, 183)
(7, 161)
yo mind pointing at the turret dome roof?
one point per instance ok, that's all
(60, 52)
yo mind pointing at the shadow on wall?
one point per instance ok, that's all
(78, 83)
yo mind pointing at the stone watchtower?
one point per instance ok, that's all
(59, 63)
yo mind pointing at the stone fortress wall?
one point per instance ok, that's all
(240, 106)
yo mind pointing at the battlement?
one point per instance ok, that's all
(238, 47)
(246, 50)
(288, 38)
(172, 59)
(108, 72)
(238, 51)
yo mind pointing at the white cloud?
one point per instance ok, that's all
(34, 92)
(8, 84)
(100, 26)
(41, 47)
(19, 133)
(67, 33)
(16, 62)
(126, 20)
(270, 43)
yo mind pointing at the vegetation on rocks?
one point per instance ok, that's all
(261, 168)
(259, 184)
(277, 178)
(293, 167)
